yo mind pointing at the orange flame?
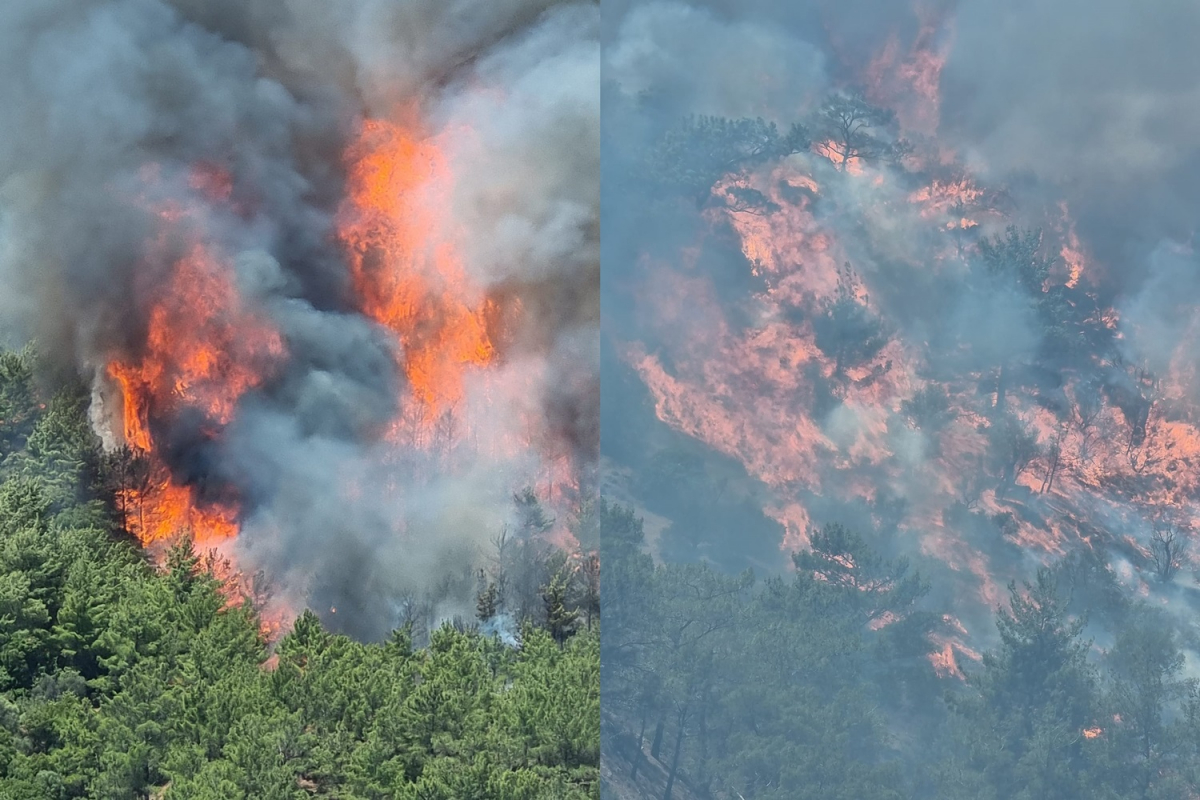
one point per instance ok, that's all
(910, 83)
(408, 278)
(1071, 254)
(830, 149)
(203, 350)
(747, 390)
(750, 381)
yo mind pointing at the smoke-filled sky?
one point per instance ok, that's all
(1098, 99)
(139, 135)
(1070, 118)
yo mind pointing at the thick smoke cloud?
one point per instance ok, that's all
(109, 108)
(1161, 314)
(698, 63)
(1097, 99)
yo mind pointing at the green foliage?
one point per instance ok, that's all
(928, 409)
(1153, 750)
(1017, 256)
(560, 618)
(118, 680)
(841, 564)
(745, 689)
(820, 685)
(1013, 446)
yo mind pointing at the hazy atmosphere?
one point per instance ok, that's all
(899, 317)
(599, 400)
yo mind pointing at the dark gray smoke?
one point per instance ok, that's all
(109, 107)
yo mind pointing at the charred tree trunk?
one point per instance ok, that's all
(675, 758)
(656, 745)
(1141, 418)
(637, 754)
(1008, 479)
(1055, 457)
(702, 770)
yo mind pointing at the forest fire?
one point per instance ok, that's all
(206, 344)
(911, 82)
(822, 384)
(837, 154)
(409, 278)
(203, 349)
(323, 282)
(902, 346)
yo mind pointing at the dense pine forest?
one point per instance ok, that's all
(723, 686)
(120, 679)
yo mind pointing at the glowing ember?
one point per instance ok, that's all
(941, 197)
(948, 649)
(944, 664)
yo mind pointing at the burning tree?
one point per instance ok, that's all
(1014, 446)
(1085, 413)
(487, 601)
(585, 524)
(560, 619)
(126, 475)
(526, 569)
(848, 129)
(847, 330)
(1016, 256)
(928, 409)
(1054, 453)
(1137, 392)
(751, 201)
(589, 574)
(1014, 261)
(876, 586)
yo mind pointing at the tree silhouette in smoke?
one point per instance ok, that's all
(697, 153)
(840, 559)
(1167, 548)
(847, 330)
(849, 129)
